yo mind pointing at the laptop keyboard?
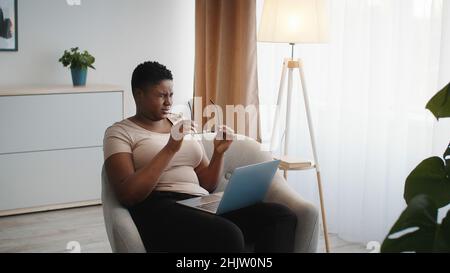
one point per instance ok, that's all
(210, 198)
(210, 206)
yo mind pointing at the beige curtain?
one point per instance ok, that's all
(225, 59)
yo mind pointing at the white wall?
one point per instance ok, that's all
(119, 33)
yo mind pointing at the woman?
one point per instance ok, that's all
(151, 166)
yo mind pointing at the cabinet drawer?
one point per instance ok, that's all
(56, 121)
(50, 177)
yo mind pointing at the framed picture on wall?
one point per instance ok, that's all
(8, 25)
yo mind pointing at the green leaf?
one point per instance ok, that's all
(417, 229)
(421, 215)
(442, 243)
(439, 105)
(430, 177)
(419, 218)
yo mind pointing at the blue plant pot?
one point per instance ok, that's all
(79, 76)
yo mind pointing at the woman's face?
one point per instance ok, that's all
(155, 102)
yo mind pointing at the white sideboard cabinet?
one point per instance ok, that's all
(51, 145)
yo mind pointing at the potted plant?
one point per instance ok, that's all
(79, 63)
(427, 189)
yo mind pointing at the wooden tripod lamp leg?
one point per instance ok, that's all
(316, 159)
(322, 210)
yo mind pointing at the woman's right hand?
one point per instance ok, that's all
(177, 133)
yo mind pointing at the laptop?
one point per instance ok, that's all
(248, 185)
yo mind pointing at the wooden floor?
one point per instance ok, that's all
(51, 231)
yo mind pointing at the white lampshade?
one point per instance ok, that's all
(294, 21)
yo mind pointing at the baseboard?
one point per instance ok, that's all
(50, 207)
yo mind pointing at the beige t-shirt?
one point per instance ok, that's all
(179, 176)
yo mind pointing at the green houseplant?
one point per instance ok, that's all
(79, 63)
(427, 189)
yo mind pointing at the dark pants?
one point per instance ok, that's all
(166, 226)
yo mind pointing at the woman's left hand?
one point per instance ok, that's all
(223, 139)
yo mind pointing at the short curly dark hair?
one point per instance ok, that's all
(148, 74)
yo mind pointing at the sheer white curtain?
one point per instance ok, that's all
(368, 88)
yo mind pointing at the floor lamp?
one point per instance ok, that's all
(296, 22)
